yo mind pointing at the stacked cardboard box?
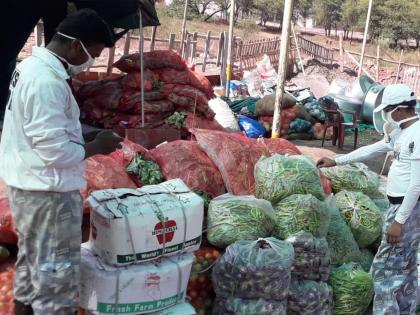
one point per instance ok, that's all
(138, 259)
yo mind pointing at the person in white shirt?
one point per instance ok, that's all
(42, 153)
(394, 268)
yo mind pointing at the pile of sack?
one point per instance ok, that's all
(169, 86)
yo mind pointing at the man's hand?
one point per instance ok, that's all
(394, 233)
(326, 162)
(105, 142)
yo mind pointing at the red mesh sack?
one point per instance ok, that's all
(131, 100)
(151, 120)
(8, 233)
(235, 156)
(185, 160)
(279, 146)
(326, 184)
(319, 132)
(152, 60)
(188, 104)
(132, 81)
(94, 89)
(198, 122)
(316, 153)
(129, 149)
(103, 172)
(7, 275)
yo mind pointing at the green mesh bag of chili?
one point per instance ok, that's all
(366, 259)
(353, 177)
(280, 176)
(352, 289)
(362, 215)
(301, 213)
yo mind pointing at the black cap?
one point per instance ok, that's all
(89, 27)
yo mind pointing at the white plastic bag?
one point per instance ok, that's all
(224, 115)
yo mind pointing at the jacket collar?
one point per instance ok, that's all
(52, 61)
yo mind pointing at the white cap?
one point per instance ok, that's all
(395, 94)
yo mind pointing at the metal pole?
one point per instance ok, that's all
(141, 51)
(298, 50)
(365, 37)
(184, 28)
(378, 49)
(230, 44)
(284, 44)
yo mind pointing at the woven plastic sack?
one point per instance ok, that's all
(185, 160)
(280, 176)
(235, 156)
(232, 218)
(301, 213)
(251, 127)
(103, 172)
(156, 59)
(279, 146)
(312, 257)
(265, 106)
(343, 246)
(362, 215)
(236, 306)
(8, 234)
(132, 81)
(366, 259)
(307, 297)
(353, 289)
(254, 269)
(353, 177)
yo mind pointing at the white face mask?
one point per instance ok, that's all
(387, 116)
(74, 70)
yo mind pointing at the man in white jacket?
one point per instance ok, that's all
(394, 268)
(42, 153)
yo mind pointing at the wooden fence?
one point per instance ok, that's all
(314, 50)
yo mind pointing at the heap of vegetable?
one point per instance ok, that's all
(238, 306)
(280, 176)
(254, 270)
(343, 246)
(353, 177)
(353, 289)
(7, 273)
(308, 297)
(362, 215)
(312, 257)
(148, 172)
(177, 119)
(301, 213)
(232, 218)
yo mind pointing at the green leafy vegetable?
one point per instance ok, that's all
(301, 213)
(232, 218)
(177, 119)
(148, 172)
(280, 176)
(362, 215)
(353, 289)
(353, 177)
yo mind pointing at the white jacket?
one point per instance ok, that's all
(41, 147)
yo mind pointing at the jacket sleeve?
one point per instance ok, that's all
(364, 153)
(45, 124)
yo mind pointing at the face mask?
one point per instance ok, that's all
(387, 116)
(74, 70)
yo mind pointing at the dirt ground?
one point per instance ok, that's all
(366, 137)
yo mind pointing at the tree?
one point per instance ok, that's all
(415, 24)
(303, 8)
(328, 14)
(350, 16)
(269, 9)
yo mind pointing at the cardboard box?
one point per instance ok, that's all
(152, 221)
(134, 289)
(179, 309)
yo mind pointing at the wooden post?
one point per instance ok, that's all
(183, 29)
(378, 48)
(127, 43)
(341, 53)
(194, 46)
(153, 38)
(229, 47)
(220, 51)
(357, 64)
(399, 66)
(298, 50)
(224, 58)
(171, 42)
(365, 37)
(187, 46)
(206, 51)
(111, 56)
(284, 44)
(38, 35)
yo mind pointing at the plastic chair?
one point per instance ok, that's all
(334, 118)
